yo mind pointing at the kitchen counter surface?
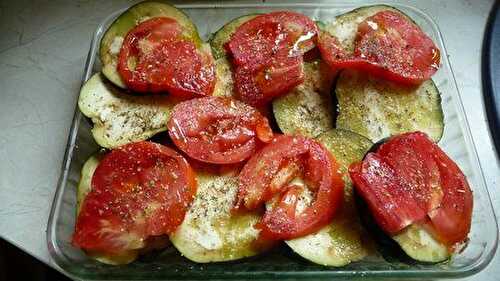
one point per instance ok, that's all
(43, 47)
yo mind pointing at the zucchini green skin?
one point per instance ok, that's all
(113, 38)
(308, 109)
(119, 117)
(210, 232)
(378, 109)
(344, 240)
(222, 36)
(84, 187)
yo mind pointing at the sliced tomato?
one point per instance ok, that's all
(409, 179)
(392, 207)
(452, 220)
(280, 75)
(421, 174)
(258, 39)
(269, 172)
(398, 47)
(332, 52)
(388, 45)
(267, 54)
(139, 190)
(156, 57)
(218, 130)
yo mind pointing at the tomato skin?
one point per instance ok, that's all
(268, 173)
(331, 51)
(376, 182)
(409, 179)
(258, 87)
(452, 220)
(165, 61)
(413, 155)
(387, 45)
(218, 130)
(267, 55)
(398, 46)
(138, 191)
(258, 39)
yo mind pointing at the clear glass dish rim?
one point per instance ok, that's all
(486, 257)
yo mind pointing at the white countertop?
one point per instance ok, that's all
(43, 47)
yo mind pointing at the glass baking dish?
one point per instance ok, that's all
(279, 263)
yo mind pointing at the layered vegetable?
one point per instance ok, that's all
(218, 130)
(121, 257)
(256, 151)
(343, 240)
(266, 52)
(138, 191)
(386, 44)
(271, 171)
(408, 181)
(154, 47)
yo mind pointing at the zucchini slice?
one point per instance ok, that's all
(221, 36)
(345, 27)
(308, 109)
(210, 232)
(112, 40)
(120, 118)
(378, 109)
(414, 243)
(419, 245)
(84, 187)
(344, 240)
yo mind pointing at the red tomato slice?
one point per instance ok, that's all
(420, 170)
(258, 39)
(268, 173)
(392, 207)
(155, 57)
(387, 45)
(139, 190)
(452, 220)
(333, 53)
(400, 49)
(267, 54)
(218, 130)
(279, 76)
(409, 179)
